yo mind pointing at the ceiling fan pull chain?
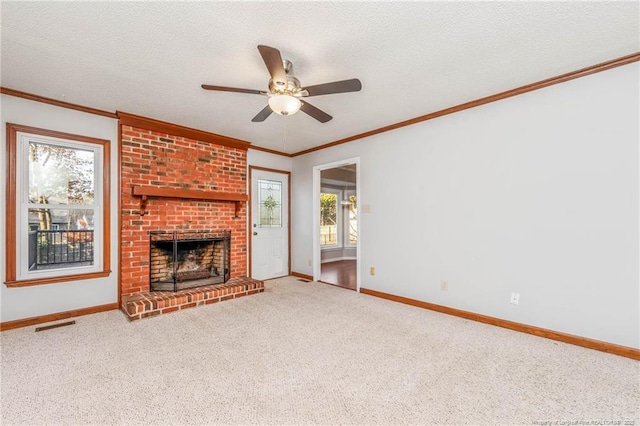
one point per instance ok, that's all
(284, 132)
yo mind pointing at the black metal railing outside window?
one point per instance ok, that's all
(50, 249)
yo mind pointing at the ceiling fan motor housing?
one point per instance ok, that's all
(291, 87)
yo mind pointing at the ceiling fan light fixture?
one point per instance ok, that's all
(284, 104)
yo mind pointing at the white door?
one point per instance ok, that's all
(269, 224)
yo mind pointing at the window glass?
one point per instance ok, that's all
(270, 202)
(60, 238)
(328, 219)
(353, 221)
(60, 175)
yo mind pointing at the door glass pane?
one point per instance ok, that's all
(328, 219)
(60, 175)
(270, 203)
(60, 238)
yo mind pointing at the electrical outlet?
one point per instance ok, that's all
(515, 298)
(444, 285)
(372, 271)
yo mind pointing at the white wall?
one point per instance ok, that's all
(267, 160)
(536, 194)
(339, 253)
(26, 302)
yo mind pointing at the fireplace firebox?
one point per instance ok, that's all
(181, 260)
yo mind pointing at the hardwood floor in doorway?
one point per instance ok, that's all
(341, 273)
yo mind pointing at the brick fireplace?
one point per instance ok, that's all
(179, 182)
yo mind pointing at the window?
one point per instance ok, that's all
(351, 219)
(57, 207)
(329, 219)
(270, 202)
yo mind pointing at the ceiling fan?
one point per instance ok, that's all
(285, 91)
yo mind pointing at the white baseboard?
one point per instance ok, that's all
(337, 259)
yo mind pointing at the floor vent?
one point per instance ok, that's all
(304, 281)
(49, 327)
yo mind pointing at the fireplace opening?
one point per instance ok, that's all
(185, 259)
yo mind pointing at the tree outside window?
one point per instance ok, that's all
(352, 220)
(328, 219)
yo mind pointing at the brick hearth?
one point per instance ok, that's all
(147, 304)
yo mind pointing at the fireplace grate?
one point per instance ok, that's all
(186, 259)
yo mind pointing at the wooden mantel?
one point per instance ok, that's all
(190, 194)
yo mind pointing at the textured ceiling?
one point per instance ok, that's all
(413, 58)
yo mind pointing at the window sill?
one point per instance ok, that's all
(55, 280)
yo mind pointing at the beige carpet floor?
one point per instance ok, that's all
(307, 353)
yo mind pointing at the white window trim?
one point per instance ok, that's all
(22, 210)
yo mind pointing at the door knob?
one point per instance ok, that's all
(255, 233)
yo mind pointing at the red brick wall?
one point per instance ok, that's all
(158, 159)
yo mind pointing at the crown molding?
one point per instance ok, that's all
(604, 66)
(270, 151)
(178, 130)
(68, 105)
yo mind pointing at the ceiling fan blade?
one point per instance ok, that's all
(343, 86)
(314, 112)
(262, 115)
(273, 61)
(233, 89)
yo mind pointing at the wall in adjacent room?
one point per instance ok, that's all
(26, 302)
(535, 194)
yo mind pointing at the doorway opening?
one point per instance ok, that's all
(336, 242)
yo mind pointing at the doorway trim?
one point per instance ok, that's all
(250, 203)
(316, 215)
